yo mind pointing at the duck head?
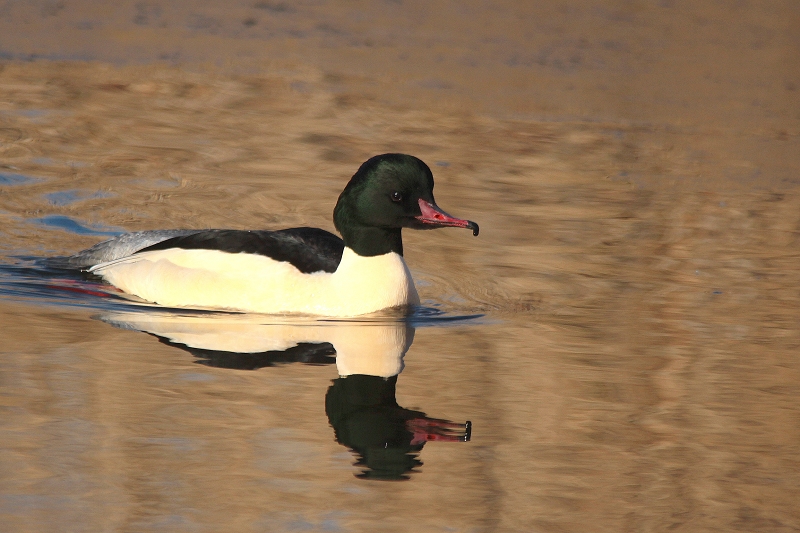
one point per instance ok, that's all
(387, 193)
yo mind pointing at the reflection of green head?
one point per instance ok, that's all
(366, 418)
(388, 464)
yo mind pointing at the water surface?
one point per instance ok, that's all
(622, 335)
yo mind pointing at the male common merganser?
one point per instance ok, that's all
(297, 270)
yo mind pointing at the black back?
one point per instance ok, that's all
(308, 249)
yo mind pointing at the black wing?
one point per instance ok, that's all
(308, 249)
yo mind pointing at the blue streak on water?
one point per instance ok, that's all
(16, 179)
(32, 113)
(32, 280)
(72, 196)
(67, 224)
(424, 316)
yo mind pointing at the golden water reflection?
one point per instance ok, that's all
(360, 404)
(636, 367)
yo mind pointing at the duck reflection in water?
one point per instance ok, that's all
(361, 403)
(388, 438)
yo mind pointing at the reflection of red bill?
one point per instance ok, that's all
(428, 429)
(433, 216)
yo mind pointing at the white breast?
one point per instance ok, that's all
(248, 282)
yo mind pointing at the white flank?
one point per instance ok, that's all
(211, 279)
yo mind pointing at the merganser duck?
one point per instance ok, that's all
(298, 270)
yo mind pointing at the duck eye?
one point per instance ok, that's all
(396, 196)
